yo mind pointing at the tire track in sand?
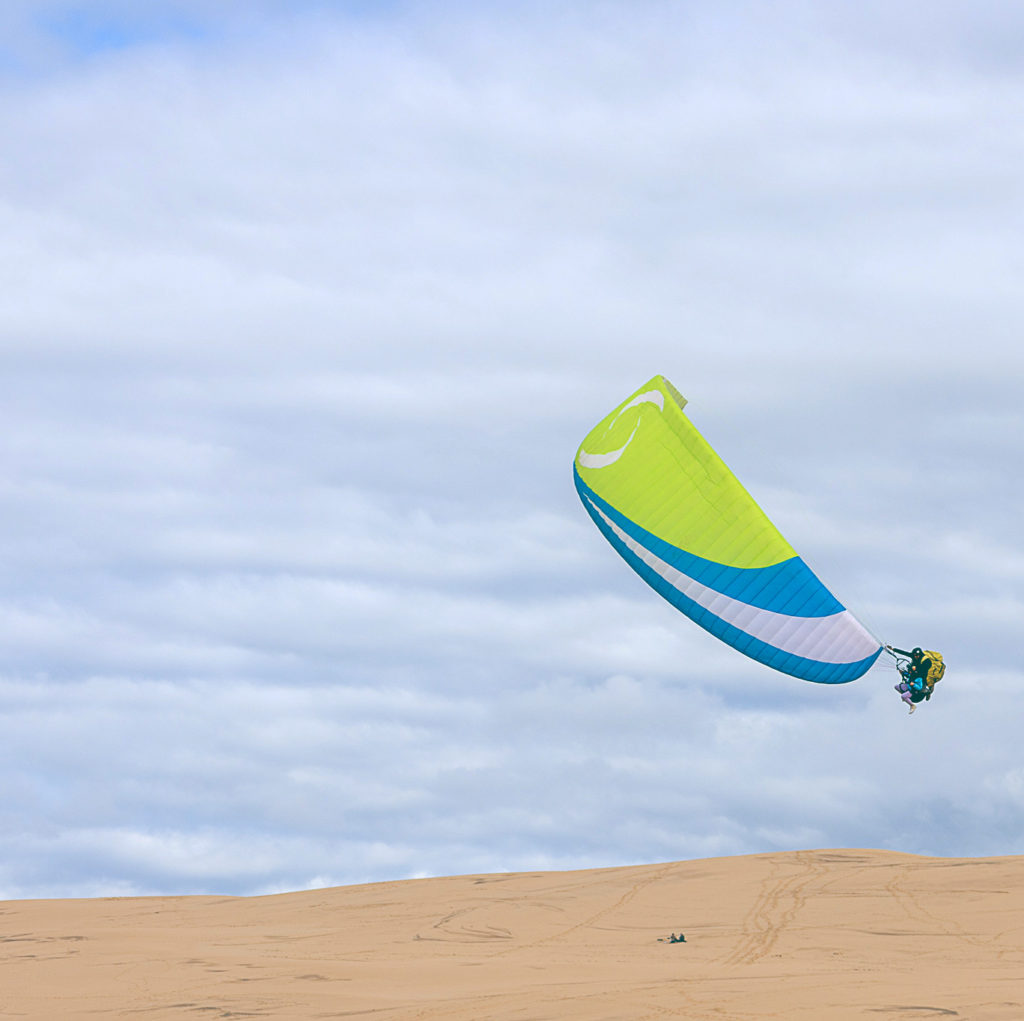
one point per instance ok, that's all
(778, 903)
(591, 920)
(929, 921)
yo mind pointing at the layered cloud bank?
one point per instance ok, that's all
(305, 314)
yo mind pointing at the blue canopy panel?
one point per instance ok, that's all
(780, 615)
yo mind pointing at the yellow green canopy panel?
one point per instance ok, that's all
(680, 518)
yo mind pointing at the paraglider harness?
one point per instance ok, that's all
(922, 687)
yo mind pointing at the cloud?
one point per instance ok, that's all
(299, 341)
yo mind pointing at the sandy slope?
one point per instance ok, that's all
(813, 934)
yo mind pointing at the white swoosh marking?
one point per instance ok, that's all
(588, 460)
(837, 638)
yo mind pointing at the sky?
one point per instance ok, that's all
(305, 310)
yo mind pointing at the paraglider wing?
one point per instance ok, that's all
(678, 516)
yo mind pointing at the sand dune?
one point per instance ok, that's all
(812, 934)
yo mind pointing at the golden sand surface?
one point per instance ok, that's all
(841, 934)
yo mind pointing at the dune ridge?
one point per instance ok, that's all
(810, 934)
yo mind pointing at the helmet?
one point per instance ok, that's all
(916, 653)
